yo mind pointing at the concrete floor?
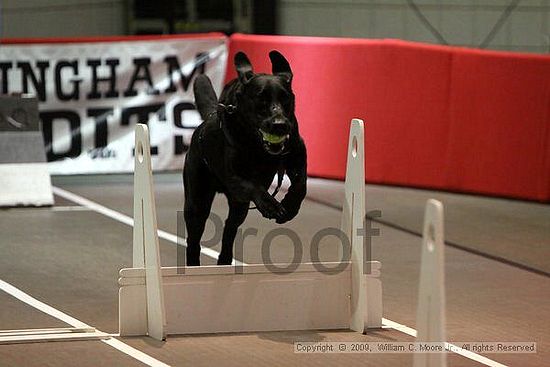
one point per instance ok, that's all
(496, 267)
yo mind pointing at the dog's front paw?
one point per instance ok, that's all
(289, 215)
(269, 207)
(291, 206)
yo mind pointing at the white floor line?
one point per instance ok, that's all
(465, 353)
(69, 208)
(123, 218)
(60, 208)
(135, 353)
(47, 309)
(214, 254)
(47, 331)
(61, 337)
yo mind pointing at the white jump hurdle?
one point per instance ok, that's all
(146, 253)
(430, 313)
(158, 301)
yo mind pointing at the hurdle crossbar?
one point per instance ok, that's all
(50, 335)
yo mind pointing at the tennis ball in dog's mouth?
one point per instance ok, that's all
(273, 139)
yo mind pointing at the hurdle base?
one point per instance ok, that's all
(217, 299)
(25, 184)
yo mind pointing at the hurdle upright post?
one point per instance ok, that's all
(353, 215)
(146, 252)
(430, 313)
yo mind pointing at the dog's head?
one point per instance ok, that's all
(266, 102)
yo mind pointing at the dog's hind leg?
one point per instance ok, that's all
(237, 214)
(198, 202)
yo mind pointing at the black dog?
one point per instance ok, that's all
(245, 139)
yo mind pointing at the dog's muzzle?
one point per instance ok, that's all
(273, 144)
(275, 133)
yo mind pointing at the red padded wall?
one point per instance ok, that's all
(436, 117)
(405, 113)
(499, 123)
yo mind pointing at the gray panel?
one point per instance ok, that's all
(62, 18)
(322, 21)
(526, 28)
(358, 22)
(416, 30)
(25, 147)
(457, 26)
(389, 23)
(18, 114)
(462, 22)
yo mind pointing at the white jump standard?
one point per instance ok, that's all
(430, 312)
(157, 301)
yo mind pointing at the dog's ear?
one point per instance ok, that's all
(243, 66)
(280, 66)
(205, 96)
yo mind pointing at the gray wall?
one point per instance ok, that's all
(460, 22)
(62, 18)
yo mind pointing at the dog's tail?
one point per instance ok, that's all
(205, 96)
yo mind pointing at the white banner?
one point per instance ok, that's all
(93, 93)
